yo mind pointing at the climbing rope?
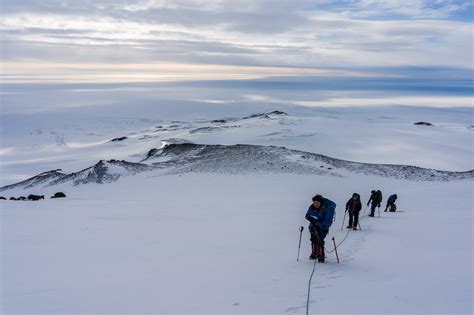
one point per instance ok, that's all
(309, 287)
(314, 266)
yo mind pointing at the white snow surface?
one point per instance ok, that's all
(227, 244)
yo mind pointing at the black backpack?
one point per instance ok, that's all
(378, 196)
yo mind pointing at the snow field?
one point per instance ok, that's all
(198, 243)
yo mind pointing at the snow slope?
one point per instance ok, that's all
(197, 243)
(174, 238)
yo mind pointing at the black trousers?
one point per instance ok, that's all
(373, 205)
(317, 240)
(353, 218)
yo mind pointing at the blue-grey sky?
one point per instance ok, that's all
(289, 33)
(416, 47)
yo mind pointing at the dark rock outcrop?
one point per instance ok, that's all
(118, 139)
(35, 197)
(423, 123)
(267, 115)
(59, 195)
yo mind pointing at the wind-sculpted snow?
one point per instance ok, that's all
(179, 158)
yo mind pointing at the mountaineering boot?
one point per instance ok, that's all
(321, 253)
(348, 227)
(314, 251)
(355, 228)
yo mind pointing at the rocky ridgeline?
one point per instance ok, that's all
(41, 179)
(179, 158)
(269, 115)
(244, 159)
(100, 173)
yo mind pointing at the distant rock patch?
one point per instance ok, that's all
(423, 123)
(118, 139)
(35, 197)
(59, 195)
(267, 115)
(277, 112)
(210, 129)
(204, 129)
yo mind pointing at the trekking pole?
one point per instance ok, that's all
(299, 245)
(379, 210)
(335, 248)
(360, 228)
(344, 219)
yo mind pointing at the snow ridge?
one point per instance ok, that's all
(44, 179)
(244, 158)
(100, 173)
(179, 158)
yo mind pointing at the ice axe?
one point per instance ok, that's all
(335, 248)
(299, 244)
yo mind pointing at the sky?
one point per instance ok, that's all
(415, 47)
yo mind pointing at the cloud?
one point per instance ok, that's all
(396, 9)
(285, 33)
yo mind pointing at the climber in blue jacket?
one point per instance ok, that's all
(391, 203)
(320, 214)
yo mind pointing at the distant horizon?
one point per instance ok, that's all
(307, 53)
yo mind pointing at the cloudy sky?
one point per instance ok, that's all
(182, 40)
(262, 33)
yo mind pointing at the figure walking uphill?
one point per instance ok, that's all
(353, 206)
(391, 206)
(320, 214)
(375, 201)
